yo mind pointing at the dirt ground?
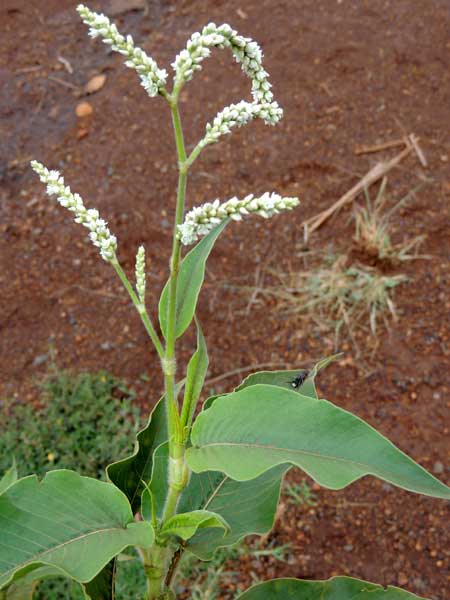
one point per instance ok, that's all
(346, 72)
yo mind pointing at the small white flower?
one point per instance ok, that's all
(201, 219)
(90, 218)
(140, 273)
(153, 79)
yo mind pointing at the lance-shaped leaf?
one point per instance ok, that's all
(190, 280)
(336, 588)
(196, 372)
(75, 524)
(248, 507)
(246, 433)
(128, 474)
(185, 525)
(9, 477)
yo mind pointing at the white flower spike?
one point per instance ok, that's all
(140, 273)
(152, 77)
(237, 115)
(201, 219)
(99, 233)
(246, 52)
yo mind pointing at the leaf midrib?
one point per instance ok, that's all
(303, 452)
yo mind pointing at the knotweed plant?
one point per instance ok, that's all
(193, 484)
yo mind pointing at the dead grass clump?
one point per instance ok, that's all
(373, 227)
(336, 294)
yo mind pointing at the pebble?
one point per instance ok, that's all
(83, 109)
(402, 579)
(95, 84)
(438, 468)
(40, 359)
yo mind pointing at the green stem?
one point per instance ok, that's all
(139, 307)
(195, 152)
(160, 556)
(174, 424)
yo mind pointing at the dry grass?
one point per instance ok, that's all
(373, 225)
(336, 295)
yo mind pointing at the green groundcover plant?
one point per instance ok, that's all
(193, 484)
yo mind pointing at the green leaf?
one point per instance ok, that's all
(245, 433)
(128, 474)
(284, 378)
(190, 280)
(248, 507)
(185, 525)
(23, 588)
(158, 484)
(196, 372)
(336, 588)
(9, 477)
(73, 523)
(102, 587)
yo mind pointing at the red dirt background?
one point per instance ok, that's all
(346, 72)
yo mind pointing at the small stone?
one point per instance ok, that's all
(402, 579)
(95, 84)
(40, 359)
(83, 109)
(438, 468)
(106, 346)
(348, 547)
(82, 133)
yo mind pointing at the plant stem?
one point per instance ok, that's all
(158, 561)
(195, 153)
(176, 450)
(139, 307)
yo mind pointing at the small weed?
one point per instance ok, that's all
(205, 577)
(300, 494)
(83, 422)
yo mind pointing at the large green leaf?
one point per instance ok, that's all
(190, 280)
(196, 372)
(185, 525)
(9, 477)
(248, 507)
(73, 523)
(130, 473)
(245, 433)
(336, 588)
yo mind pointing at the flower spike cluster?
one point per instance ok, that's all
(245, 51)
(153, 78)
(99, 233)
(201, 219)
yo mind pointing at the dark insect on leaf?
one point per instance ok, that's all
(299, 380)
